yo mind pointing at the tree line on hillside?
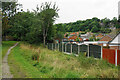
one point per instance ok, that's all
(94, 25)
(33, 27)
(38, 26)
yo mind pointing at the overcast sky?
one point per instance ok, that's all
(73, 10)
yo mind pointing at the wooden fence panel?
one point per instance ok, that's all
(118, 57)
(109, 55)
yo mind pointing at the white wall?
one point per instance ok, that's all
(117, 39)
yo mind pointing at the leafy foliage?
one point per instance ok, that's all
(94, 25)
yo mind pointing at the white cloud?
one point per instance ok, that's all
(73, 10)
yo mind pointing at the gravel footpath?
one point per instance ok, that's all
(5, 67)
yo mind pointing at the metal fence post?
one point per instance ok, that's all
(88, 51)
(116, 57)
(71, 48)
(78, 49)
(101, 52)
(58, 46)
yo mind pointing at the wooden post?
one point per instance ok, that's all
(101, 52)
(116, 57)
(88, 50)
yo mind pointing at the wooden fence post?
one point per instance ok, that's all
(88, 51)
(116, 57)
(101, 52)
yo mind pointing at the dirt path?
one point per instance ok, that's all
(5, 68)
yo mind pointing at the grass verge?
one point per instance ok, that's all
(54, 64)
(6, 45)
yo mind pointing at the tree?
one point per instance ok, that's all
(9, 9)
(47, 15)
(94, 29)
(5, 27)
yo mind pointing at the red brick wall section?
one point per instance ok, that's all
(109, 55)
(118, 57)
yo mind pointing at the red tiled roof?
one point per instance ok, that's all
(99, 36)
(106, 38)
(74, 38)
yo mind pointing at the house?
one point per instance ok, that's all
(115, 42)
(86, 36)
(106, 38)
(73, 38)
(99, 36)
(100, 43)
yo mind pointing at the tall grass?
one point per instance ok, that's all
(54, 64)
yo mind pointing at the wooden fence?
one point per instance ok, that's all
(112, 56)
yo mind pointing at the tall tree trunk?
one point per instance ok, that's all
(44, 40)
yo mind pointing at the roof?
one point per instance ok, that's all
(99, 35)
(114, 37)
(75, 37)
(74, 33)
(106, 38)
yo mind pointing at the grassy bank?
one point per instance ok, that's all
(6, 45)
(54, 64)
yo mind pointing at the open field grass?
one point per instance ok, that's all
(54, 64)
(6, 45)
